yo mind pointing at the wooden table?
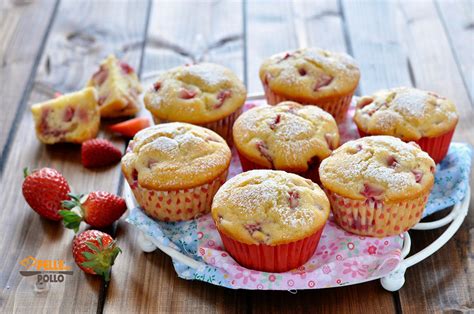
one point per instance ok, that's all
(48, 46)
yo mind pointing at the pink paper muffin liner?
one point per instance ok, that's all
(437, 147)
(272, 258)
(312, 173)
(376, 218)
(178, 205)
(223, 126)
(337, 108)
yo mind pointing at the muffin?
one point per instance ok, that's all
(311, 76)
(270, 220)
(174, 169)
(288, 137)
(377, 185)
(204, 94)
(410, 114)
(118, 88)
(72, 118)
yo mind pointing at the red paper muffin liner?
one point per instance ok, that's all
(312, 173)
(178, 205)
(376, 218)
(223, 126)
(437, 147)
(272, 258)
(337, 108)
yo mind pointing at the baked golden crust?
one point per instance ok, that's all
(270, 207)
(197, 93)
(118, 88)
(310, 74)
(287, 136)
(173, 156)
(407, 113)
(378, 167)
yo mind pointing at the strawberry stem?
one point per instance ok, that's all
(26, 172)
(102, 258)
(71, 220)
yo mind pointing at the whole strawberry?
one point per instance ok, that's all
(98, 209)
(99, 153)
(95, 252)
(44, 190)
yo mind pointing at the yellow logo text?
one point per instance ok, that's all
(32, 263)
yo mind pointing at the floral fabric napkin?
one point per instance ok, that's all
(340, 259)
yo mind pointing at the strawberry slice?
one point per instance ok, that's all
(364, 101)
(221, 97)
(323, 80)
(251, 228)
(294, 199)
(418, 175)
(371, 191)
(274, 123)
(392, 162)
(130, 127)
(99, 153)
(286, 56)
(100, 76)
(265, 152)
(187, 94)
(126, 68)
(302, 71)
(157, 86)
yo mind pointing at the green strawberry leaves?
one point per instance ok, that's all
(71, 219)
(101, 259)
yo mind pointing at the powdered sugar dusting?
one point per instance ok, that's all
(411, 103)
(281, 204)
(370, 161)
(211, 74)
(294, 128)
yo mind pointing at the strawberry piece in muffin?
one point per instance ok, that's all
(72, 118)
(118, 88)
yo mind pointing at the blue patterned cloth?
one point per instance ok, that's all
(451, 182)
(451, 179)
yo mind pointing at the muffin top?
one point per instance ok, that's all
(174, 156)
(287, 136)
(378, 167)
(407, 113)
(310, 74)
(269, 207)
(196, 93)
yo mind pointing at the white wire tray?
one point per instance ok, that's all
(391, 282)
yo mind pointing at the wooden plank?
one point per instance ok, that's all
(148, 282)
(323, 23)
(363, 298)
(412, 49)
(21, 25)
(458, 21)
(445, 281)
(270, 30)
(82, 34)
(324, 27)
(375, 45)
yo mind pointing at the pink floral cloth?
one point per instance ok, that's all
(340, 259)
